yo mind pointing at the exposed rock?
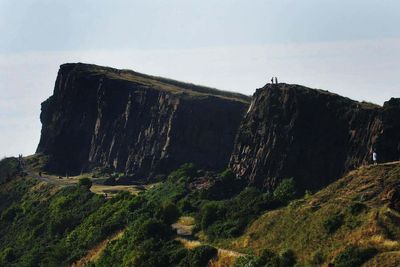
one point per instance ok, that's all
(138, 124)
(311, 135)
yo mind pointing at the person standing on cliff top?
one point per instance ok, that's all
(272, 80)
(374, 157)
(276, 80)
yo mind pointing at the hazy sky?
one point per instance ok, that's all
(350, 47)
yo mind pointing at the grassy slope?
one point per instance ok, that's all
(300, 226)
(159, 83)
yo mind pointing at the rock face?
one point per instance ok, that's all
(311, 135)
(138, 124)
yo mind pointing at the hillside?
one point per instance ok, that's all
(351, 221)
(361, 209)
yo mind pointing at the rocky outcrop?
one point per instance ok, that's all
(138, 124)
(311, 135)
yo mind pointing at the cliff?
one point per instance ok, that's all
(135, 123)
(311, 135)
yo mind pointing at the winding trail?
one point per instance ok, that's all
(98, 188)
(184, 227)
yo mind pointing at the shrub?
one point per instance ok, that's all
(333, 223)
(209, 214)
(7, 256)
(353, 256)
(85, 182)
(185, 205)
(246, 261)
(199, 257)
(285, 190)
(356, 208)
(10, 213)
(287, 258)
(227, 176)
(317, 258)
(154, 229)
(168, 213)
(186, 171)
(226, 228)
(267, 258)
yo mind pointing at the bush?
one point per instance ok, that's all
(353, 256)
(285, 191)
(246, 261)
(267, 258)
(168, 213)
(185, 206)
(317, 258)
(356, 208)
(199, 257)
(288, 258)
(333, 223)
(210, 213)
(227, 176)
(187, 171)
(154, 229)
(10, 213)
(7, 256)
(85, 182)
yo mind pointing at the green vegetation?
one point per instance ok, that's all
(41, 224)
(85, 182)
(285, 191)
(268, 258)
(357, 212)
(333, 222)
(37, 220)
(353, 256)
(8, 169)
(199, 256)
(352, 221)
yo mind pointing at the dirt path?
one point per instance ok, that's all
(109, 190)
(184, 228)
(49, 180)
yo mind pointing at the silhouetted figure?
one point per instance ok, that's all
(374, 157)
(272, 80)
(276, 80)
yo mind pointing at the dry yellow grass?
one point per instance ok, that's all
(224, 258)
(300, 226)
(93, 254)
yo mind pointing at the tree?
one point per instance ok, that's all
(85, 182)
(285, 191)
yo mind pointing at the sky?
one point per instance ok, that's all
(349, 47)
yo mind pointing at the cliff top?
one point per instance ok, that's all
(307, 90)
(154, 82)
